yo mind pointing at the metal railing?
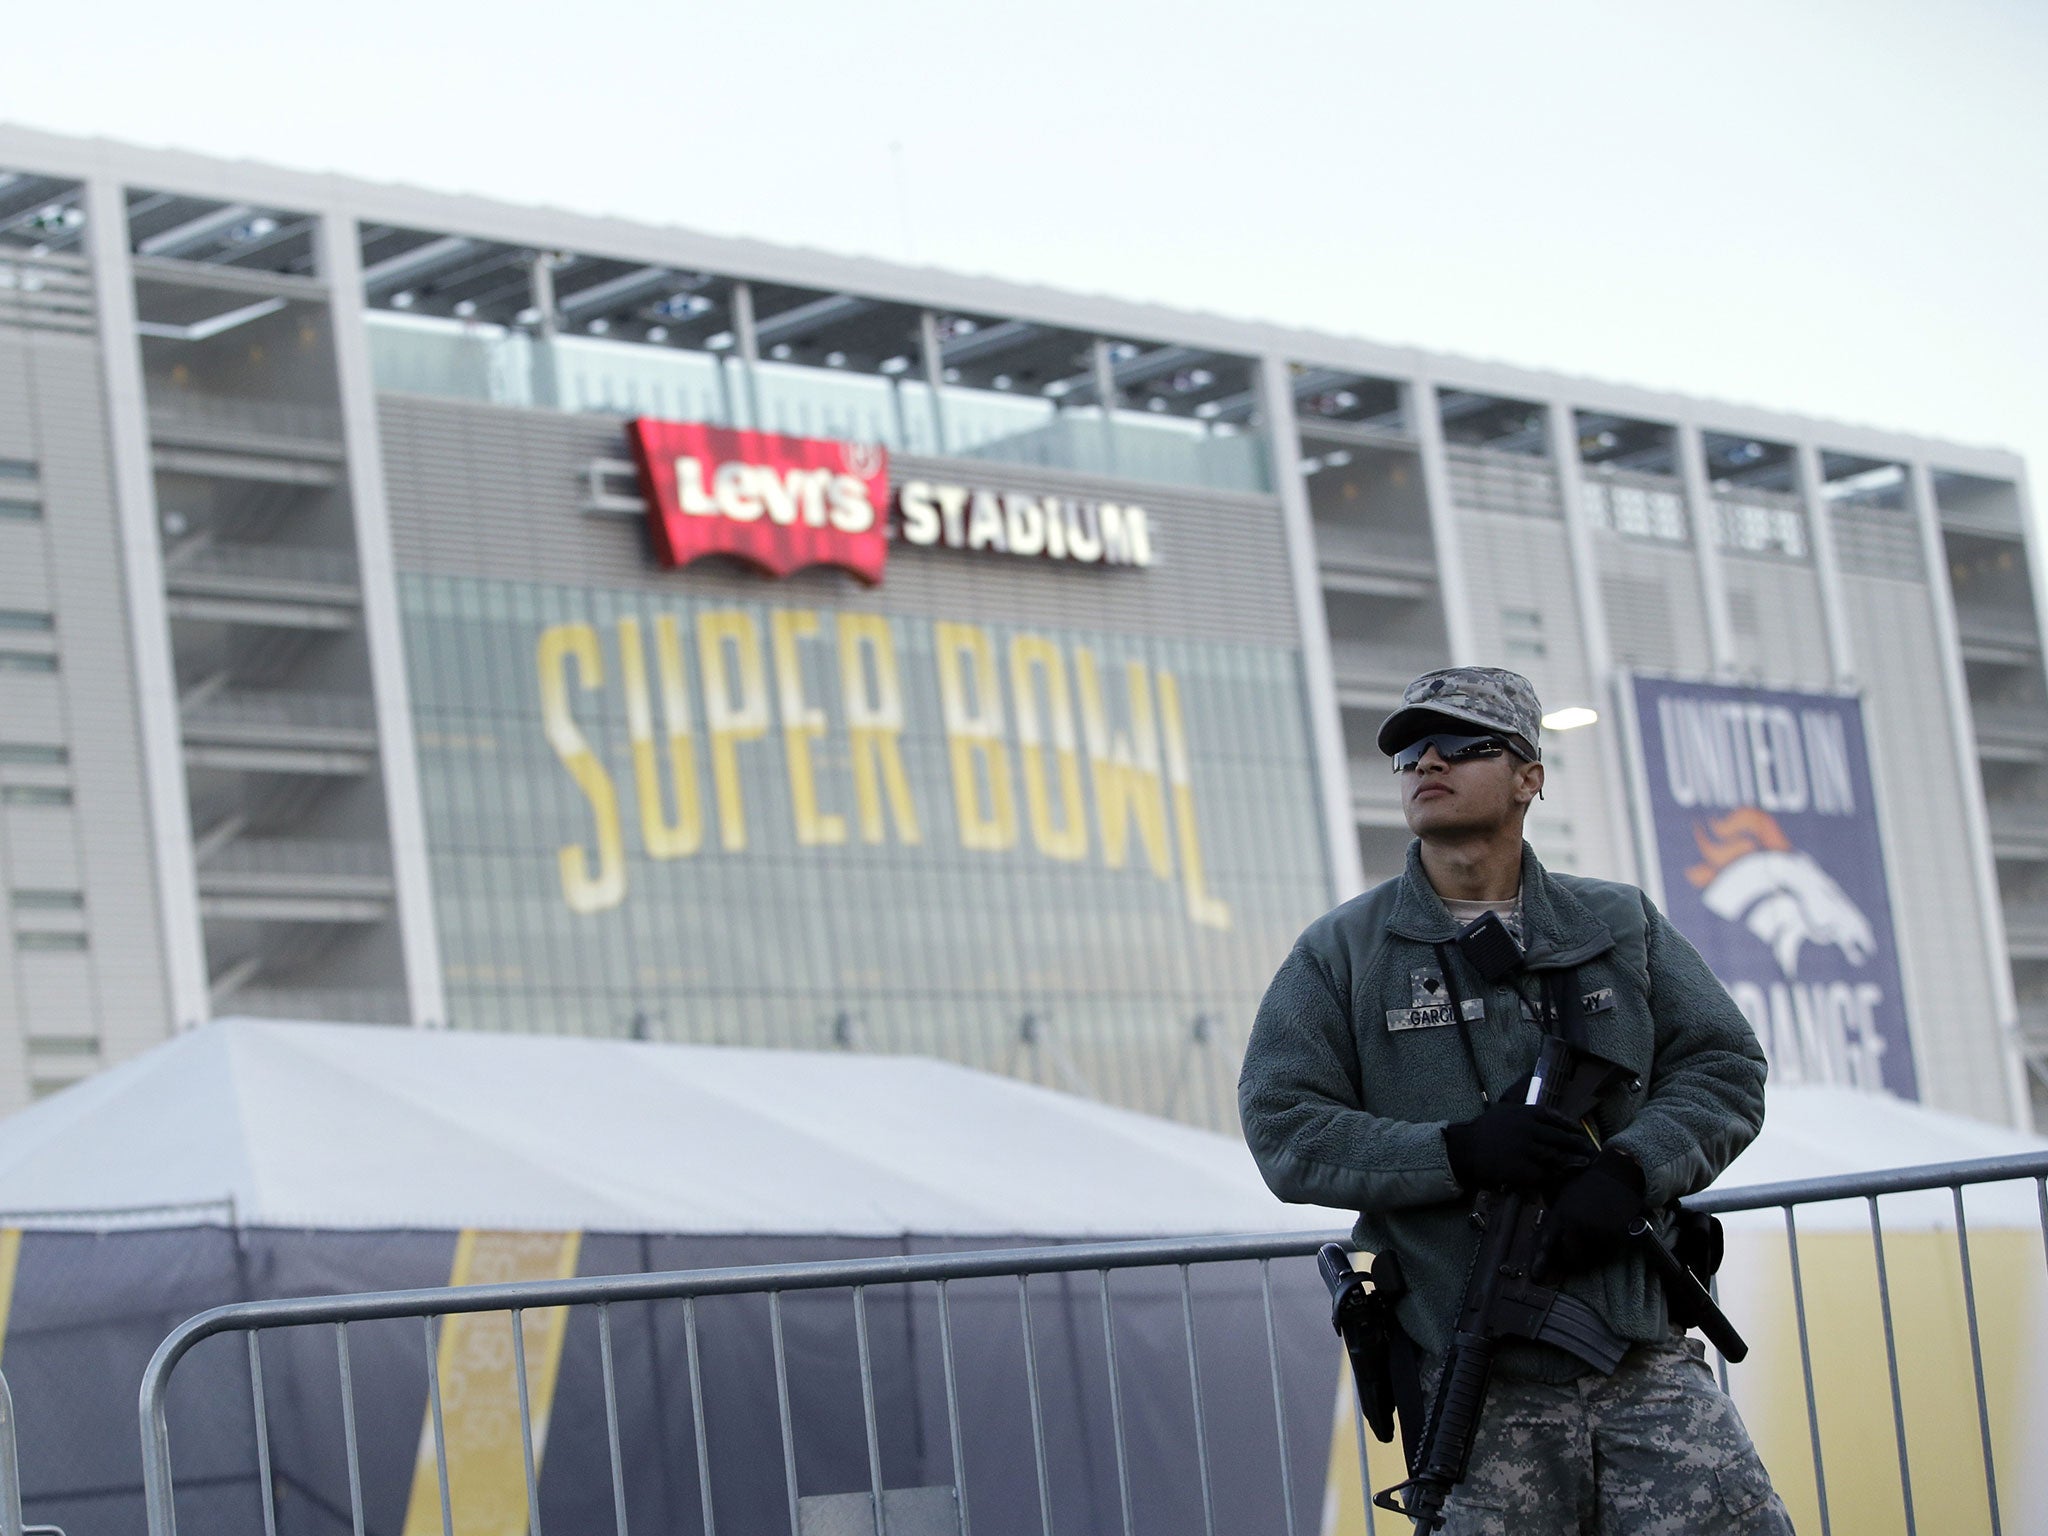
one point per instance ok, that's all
(281, 709)
(1112, 1442)
(1491, 480)
(45, 292)
(1363, 662)
(2019, 822)
(293, 563)
(10, 1469)
(2024, 724)
(1952, 1177)
(338, 1005)
(1350, 546)
(10, 1475)
(182, 414)
(776, 1282)
(1997, 625)
(311, 856)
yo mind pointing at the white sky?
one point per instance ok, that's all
(1834, 206)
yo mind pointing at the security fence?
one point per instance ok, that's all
(1181, 1384)
(10, 1476)
(1117, 1387)
(1955, 1509)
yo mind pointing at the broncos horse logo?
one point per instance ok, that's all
(1750, 873)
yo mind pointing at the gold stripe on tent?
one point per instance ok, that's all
(10, 1255)
(480, 1391)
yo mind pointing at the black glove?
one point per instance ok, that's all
(1588, 1222)
(1515, 1146)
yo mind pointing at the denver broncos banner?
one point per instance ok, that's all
(1767, 840)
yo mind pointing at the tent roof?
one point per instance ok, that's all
(1812, 1132)
(349, 1126)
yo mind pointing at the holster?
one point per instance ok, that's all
(1386, 1367)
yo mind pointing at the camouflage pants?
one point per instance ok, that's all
(1656, 1449)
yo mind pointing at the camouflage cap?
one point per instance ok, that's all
(1492, 698)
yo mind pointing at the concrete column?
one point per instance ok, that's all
(1827, 566)
(339, 256)
(1319, 680)
(1426, 420)
(540, 285)
(1706, 547)
(1105, 394)
(1105, 378)
(934, 375)
(156, 687)
(1969, 779)
(1592, 605)
(749, 343)
(2037, 570)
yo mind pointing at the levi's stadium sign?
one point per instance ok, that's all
(786, 503)
(1013, 523)
(779, 503)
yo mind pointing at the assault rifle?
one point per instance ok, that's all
(1503, 1301)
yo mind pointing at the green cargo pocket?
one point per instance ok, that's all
(1743, 1484)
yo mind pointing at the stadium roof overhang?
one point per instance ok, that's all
(423, 273)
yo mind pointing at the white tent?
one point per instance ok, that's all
(341, 1127)
(250, 1159)
(344, 1126)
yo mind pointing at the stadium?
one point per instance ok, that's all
(420, 610)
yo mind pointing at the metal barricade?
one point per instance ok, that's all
(940, 1272)
(860, 1277)
(1952, 1177)
(10, 1475)
(10, 1469)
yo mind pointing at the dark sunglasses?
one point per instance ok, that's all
(1453, 749)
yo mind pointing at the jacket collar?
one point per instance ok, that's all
(1557, 927)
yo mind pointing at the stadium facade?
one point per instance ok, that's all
(415, 609)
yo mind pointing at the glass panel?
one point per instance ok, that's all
(475, 362)
(499, 367)
(1129, 446)
(631, 380)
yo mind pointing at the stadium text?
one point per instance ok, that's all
(1014, 523)
(1728, 753)
(1024, 721)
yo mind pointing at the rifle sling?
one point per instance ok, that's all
(1456, 994)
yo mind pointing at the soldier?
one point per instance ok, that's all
(1381, 1077)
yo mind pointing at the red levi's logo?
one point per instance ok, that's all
(780, 503)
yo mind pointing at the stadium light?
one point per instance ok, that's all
(1570, 718)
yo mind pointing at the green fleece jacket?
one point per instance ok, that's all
(1349, 1079)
